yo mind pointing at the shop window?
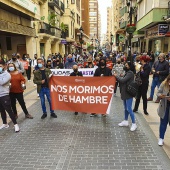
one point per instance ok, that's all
(8, 43)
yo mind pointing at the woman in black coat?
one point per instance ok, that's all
(125, 96)
(143, 88)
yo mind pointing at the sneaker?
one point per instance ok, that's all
(53, 115)
(44, 116)
(16, 128)
(146, 113)
(92, 115)
(34, 85)
(133, 127)
(76, 113)
(4, 126)
(160, 142)
(134, 110)
(150, 99)
(28, 116)
(124, 123)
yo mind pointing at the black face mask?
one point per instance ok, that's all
(125, 68)
(102, 64)
(57, 61)
(118, 62)
(122, 60)
(13, 58)
(75, 70)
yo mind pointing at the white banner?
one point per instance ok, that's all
(87, 72)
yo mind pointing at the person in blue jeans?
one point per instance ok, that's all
(164, 108)
(160, 71)
(125, 96)
(41, 78)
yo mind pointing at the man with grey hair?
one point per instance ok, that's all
(70, 62)
(160, 70)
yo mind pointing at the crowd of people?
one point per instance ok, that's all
(12, 81)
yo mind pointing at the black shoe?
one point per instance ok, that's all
(44, 116)
(76, 113)
(53, 115)
(93, 114)
(146, 113)
(134, 110)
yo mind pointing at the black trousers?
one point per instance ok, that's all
(20, 98)
(5, 105)
(116, 84)
(28, 72)
(142, 92)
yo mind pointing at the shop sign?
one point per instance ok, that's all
(27, 4)
(63, 42)
(121, 37)
(163, 29)
(152, 32)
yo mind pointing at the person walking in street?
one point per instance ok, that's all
(17, 85)
(152, 59)
(164, 108)
(28, 71)
(70, 62)
(76, 73)
(143, 88)
(160, 71)
(125, 96)
(101, 71)
(41, 78)
(5, 102)
(17, 62)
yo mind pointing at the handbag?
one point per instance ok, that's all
(132, 88)
(138, 79)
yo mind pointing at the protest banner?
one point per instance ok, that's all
(87, 72)
(82, 94)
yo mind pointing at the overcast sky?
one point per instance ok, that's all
(103, 4)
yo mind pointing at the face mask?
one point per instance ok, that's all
(102, 64)
(122, 60)
(40, 65)
(11, 68)
(118, 62)
(70, 59)
(1, 69)
(14, 59)
(49, 58)
(75, 70)
(125, 68)
(57, 60)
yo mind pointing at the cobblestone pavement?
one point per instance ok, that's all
(80, 142)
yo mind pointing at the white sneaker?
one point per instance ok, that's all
(34, 85)
(4, 126)
(160, 142)
(16, 128)
(133, 127)
(38, 95)
(124, 123)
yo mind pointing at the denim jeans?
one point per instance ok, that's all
(128, 109)
(155, 82)
(164, 123)
(45, 91)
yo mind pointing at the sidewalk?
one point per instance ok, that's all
(79, 142)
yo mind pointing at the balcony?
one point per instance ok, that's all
(123, 11)
(55, 32)
(45, 28)
(123, 24)
(53, 3)
(62, 7)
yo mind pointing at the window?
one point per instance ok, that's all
(8, 43)
(73, 1)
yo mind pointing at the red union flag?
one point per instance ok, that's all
(82, 94)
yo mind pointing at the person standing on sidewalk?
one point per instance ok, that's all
(160, 71)
(28, 71)
(164, 108)
(143, 88)
(16, 90)
(125, 96)
(41, 78)
(76, 73)
(5, 102)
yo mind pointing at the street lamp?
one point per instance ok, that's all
(130, 29)
(81, 38)
(111, 40)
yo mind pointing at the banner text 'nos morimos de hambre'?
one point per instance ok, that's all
(82, 94)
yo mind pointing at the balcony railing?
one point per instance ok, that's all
(123, 24)
(53, 3)
(62, 6)
(123, 11)
(45, 28)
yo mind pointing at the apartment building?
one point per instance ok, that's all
(99, 27)
(93, 19)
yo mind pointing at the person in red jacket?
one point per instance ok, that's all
(16, 90)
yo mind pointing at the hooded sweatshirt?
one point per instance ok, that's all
(5, 78)
(103, 71)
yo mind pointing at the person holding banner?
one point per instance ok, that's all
(76, 73)
(125, 96)
(41, 78)
(101, 71)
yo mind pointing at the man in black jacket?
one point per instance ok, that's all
(160, 71)
(76, 73)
